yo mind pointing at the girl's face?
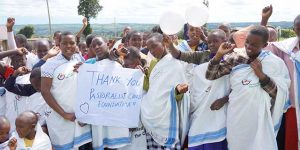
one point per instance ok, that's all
(194, 33)
(156, 48)
(131, 63)
(254, 44)
(100, 47)
(4, 133)
(83, 49)
(68, 46)
(214, 42)
(136, 40)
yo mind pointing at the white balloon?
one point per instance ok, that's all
(171, 22)
(197, 15)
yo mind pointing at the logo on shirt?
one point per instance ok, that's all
(246, 82)
(60, 76)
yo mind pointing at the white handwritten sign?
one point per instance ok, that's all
(109, 96)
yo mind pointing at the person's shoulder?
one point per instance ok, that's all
(56, 58)
(272, 56)
(91, 61)
(268, 58)
(78, 57)
(53, 63)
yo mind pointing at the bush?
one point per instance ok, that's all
(287, 33)
(28, 31)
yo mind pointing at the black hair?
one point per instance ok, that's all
(65, 33)
(36, 43)
(89, 39)
(261, 31)
(35, 73)
(157, 29)
(56, 32)
(231, 40)
(219, 32)
(103, 38)
(22, 38)
(156, 36)
(82, 42)
(133, 53)
(225, 25)
(130, 34)
(123, 40)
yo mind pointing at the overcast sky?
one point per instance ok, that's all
(143, 11)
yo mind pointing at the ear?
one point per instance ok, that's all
(33, 125)
(266, 44)
(294, 28)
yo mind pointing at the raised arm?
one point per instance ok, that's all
(51, 53)
(19, 51)
(189, 57)
(10, 35)
(216, 68)
(84, 25)
(266, 14)
(19, 89)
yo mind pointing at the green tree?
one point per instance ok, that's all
(89, 9)
(287, 33)
(28, 31)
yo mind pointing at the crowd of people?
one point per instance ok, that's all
(215, 90)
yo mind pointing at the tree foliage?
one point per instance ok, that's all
(287, 33)
(89, 9)
(28, 31)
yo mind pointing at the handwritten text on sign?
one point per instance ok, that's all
(109, 96)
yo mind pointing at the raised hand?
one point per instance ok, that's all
(22, 51)
(21, 71)
(168, 40)
(121, 50)
(257, 68)
(84, 22)
(225, 48)
(76, 67)
(267, 12)
(12, 144)
(10, 23)
(53, 51)
(182, 88)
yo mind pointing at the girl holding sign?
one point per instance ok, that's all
(58, 79)
(106, 136)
